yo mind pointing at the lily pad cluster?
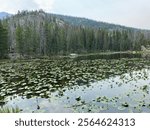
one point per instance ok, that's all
(43, 78)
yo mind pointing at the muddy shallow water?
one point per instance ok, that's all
(112, 83)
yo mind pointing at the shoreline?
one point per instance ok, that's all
(57, 57)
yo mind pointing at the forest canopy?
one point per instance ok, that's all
(37, 33)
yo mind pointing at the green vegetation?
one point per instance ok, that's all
(9, 110)
(93, 80)
(3, 41)
(38, 34)
(77, 85)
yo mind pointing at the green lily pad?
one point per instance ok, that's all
(78, 99)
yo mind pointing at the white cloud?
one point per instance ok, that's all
(46, 5)
(12, 6)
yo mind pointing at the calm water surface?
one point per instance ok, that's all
(99, 83)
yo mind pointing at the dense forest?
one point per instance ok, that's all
(3, 41)
(36, 33)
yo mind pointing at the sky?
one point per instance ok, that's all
(132, 13)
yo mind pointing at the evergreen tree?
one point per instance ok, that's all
(20, 40)
(50, 35)
(3, 41)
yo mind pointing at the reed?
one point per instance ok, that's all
(9, 110)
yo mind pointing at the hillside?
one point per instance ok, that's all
(77, 21)
(36, 33)
(4, 15)
(84, 22)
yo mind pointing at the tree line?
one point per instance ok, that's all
(3, 41)
(52, 36)
(57, 40)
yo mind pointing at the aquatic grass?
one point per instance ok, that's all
(10, 110)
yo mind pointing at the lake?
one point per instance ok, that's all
(112, 83)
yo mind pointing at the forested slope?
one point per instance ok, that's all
(37, 33)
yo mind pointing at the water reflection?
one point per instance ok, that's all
(97, 85)
(109, 56)
(116, 94)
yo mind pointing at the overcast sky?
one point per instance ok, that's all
(133, 13)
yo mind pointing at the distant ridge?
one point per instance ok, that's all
(4, 15)
(80, 21)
